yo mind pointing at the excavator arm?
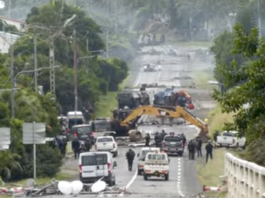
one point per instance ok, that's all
(176, 112)
(149, 110)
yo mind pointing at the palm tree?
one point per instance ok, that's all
(8, 162)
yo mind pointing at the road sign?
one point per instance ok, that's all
(5, 136)
(34, 133)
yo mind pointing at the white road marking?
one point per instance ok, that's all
(132, 180)
(179, 178)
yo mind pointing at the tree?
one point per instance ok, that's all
(8, 162)
(249, 122)
(222, 48)
(90, 82)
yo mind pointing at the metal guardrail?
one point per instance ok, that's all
(245, 179)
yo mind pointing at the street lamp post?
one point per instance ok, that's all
(75, 76)
(14, 79)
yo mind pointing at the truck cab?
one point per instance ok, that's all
(156, 165)
(230, 139)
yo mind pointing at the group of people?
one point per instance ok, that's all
(78, 147)
(195, 146)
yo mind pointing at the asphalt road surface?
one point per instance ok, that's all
(182, 174)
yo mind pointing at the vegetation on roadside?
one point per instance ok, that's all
(240, 67)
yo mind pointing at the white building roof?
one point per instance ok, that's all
(7, 39)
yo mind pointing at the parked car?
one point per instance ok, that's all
(107, 143)
(230, 139)
(96, 165)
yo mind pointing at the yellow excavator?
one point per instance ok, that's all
(128, 122)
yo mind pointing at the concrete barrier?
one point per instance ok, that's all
(245, 179)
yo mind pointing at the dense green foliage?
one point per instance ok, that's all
(249, 78)
(96, 76)
(239, 57)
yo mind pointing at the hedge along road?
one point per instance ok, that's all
(182, 175)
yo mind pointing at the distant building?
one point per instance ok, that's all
(20, 25)
(7, 39)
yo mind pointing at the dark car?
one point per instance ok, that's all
(82, 132)
(173, 144)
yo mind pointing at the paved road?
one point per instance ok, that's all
(183, 179)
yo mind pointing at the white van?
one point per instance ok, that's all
(75, 118)
(96, 165)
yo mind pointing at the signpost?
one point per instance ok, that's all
(5, 139)
(34, 133)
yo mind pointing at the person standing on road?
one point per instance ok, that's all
(64, 145)
(157, 142)
(184, 140)
(191, 147)
(209, 150)
(199, 147)
(76, 147)
(130, 157)
(147, 140)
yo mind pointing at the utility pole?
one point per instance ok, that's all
(35, 63)
(87, 45)
(12, 81)
(115, 15)
(107, 41)
(75, 72)
(52, 69)
(9, 9)
(259, 19)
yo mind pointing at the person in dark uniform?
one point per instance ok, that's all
(130, 157)
(64, 145)
(191, 147)
(76, 147)
(217, 133)
(199, 147)
(184, 140)
(209, 150)
(147, 140)
(157, 142)
(88, 144)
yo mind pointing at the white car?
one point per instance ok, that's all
(152, 68)
(107, 143)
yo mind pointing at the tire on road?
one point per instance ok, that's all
(135, 135)
(145, 177)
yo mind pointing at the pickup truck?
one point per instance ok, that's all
(156, 164)
(230, 139)
(141, 157)
(107, 143)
